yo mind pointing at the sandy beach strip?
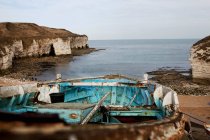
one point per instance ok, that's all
(196, 106)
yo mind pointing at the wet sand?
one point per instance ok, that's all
(197, 107)
(197, 110)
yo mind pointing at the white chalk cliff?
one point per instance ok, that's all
(200, 59)
(19, 40)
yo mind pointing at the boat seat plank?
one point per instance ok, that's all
(66, 106)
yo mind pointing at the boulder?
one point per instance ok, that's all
(200, 59)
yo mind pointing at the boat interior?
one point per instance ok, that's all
(101, 100)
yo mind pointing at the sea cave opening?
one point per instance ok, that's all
(52, 50)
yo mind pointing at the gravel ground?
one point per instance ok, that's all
(183, 84)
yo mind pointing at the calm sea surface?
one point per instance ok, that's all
(128, 57)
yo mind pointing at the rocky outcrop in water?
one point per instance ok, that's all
(200, 59)
(19, 40)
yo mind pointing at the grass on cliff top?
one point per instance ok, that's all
(29, 31)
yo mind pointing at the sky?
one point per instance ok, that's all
(115, 19)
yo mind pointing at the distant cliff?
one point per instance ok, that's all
(200, 59)
(28, 39)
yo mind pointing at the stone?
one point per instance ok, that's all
(200, 59)
(79, 42)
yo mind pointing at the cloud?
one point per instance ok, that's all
(32, 4)
(115, 19)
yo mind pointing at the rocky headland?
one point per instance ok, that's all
(200, 60)
(19, 40)
(192, 86)
(190, 82)
(27, 49)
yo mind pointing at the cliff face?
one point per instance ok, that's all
(200, 59)
(79, 42)
(27, 39)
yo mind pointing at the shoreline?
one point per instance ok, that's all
(25, 69)
(180, 81)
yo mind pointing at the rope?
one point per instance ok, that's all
(194, 117)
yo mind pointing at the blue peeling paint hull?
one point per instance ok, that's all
(127, 98)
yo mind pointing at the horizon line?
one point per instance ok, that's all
(147, 39)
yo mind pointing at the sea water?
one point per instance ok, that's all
(127, 57)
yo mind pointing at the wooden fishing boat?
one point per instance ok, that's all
(105, 100)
